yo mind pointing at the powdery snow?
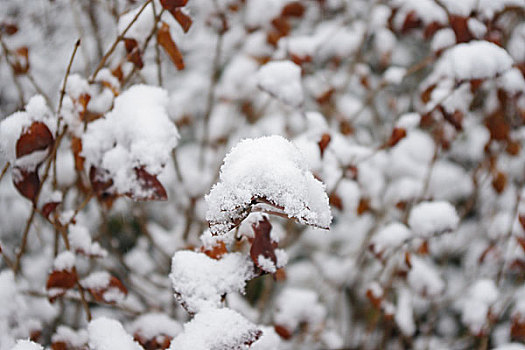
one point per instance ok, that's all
(64, 261)
(200, 281)
(218, 329)
(390, 236)
(477, 303)
(108, 334)
(282, 79)
(269, 169)
(27, 345)
(297, 305)
(151, 325)
(433, 218)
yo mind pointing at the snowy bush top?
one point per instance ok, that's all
(136, 134)
(267, 170)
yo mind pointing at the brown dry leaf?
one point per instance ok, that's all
(517, 330)
(8, 28)
(262, 243)
(397, 135)
(325, 97)
(76, 147)
(459, 25)
(150, 187)
(364, 206)
(36, 138)
(217, 251)
(134, 54)
(283, 332)
(412, 21)
(427, 94)
(48, 208)
(171, 5)
(323, 143)
(64, 279)
(26, 182)
(99, 293)
(21, 63)
(498, 126)
(431, 29)
(164, 39)
(455, 119)
(335, 201)
(184, 20)
(293, 9)
(376, 301)
(499, 182)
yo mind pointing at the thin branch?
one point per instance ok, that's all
(4, 170)
(68, 70)
(115, 43)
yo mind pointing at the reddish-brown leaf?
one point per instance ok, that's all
(431, 29)
(217, 251)
(21, 62)
(427, 94)
(376, 301)
(323, 143)
(283, 332)
(48, 208)
(423, 248)
(100, 182)
(164, 39)
(8, 28)
(59, 345)
(521, 240)
(325, 97)
(150, 187)
(171, 5)
(64, 279)
(99, 293)
(262, 243)
(522, 220)
(134, 53)
(397, 135)
(36, 138)
(412, 21)
(184, 20)
(282, 26)
(498, 126)
(459, 25)
(499, 182)
(513, 148)
(26, 182)
(364, 206)
(336, 201)
(293, 9)
(76, 147)
(517, 329)
(455, 119)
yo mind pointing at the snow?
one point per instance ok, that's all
(150, 325)
(80, 241)
(200, 281)
(219, 329)
(27, 345)
(473, 60)
(294, 306)
(390, 236)
(136, 133)
(142, 27)
(269, 340)
(64, 261)
(424, 278)
(282, 79)
(427, 10)
(271, 169)
(433, 218)
(96, 280)
(480, 297)
(404, 316)
(69, 336)
(108, 334)
(443, 39)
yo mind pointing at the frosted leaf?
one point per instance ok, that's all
(217, 329)
(200, 281)
(282, 80)
(433, 218)
(136, 133)
(108, 334)
(266, 171)
(27, 345)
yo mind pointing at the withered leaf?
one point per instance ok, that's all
(412, 21)
(36, 138)
(26, 182)
(262, 243)
(217, 251)
(76, 147)
(134, 54)
(65, 279)
(459, 25)
(48, 208)
(397, 135)
(283, 332)
(499, 182)
(21, 63)
(164, 39)
(171, 5)
(293, 9)
(184, 20)
(323, 143)
(99, 293)
(150, 187)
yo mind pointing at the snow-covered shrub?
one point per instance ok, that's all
(262, 174)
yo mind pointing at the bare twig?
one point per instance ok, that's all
(4, 170)
(68, 70)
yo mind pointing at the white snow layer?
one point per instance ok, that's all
(219, 329)
(271, 169)
(282, 79)
(433, 218)
(200, 281)
(108, 334)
